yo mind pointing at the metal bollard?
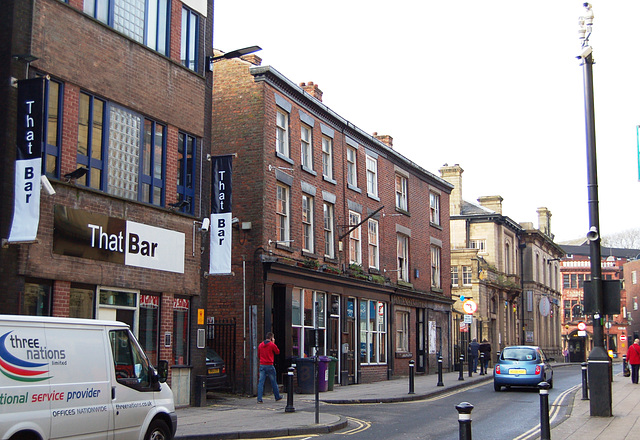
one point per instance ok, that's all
(482, 372)
(624, 363)
(585, 382)
(545, 428)
(464, 420)
(412, 366)
(440, 382)
(289, 407)
(461, 376)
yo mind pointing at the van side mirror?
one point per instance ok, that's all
(163, 371)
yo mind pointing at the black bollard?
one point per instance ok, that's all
(464, 420)
(289, 407)
(482, 372)
(440, 382)
(412, 366)
(585, 383)
(461, 376)
(624, 364)
(545, 428)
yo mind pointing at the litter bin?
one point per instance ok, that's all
(304, 371)
(333, 363)
(323, 373)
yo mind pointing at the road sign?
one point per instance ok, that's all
(468, 319)
(469, 306)
(623, 337)
(582, 326)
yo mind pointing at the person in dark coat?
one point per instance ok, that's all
(473, 351)
(485, 349)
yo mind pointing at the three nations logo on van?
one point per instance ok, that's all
(23, 368)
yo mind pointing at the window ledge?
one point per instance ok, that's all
(402, 211)
(373, 196)
(354, 188)
(284, 247)
(283, 157)
(403, 355)
(329, 179)
(435, 225)
(405, 284)
(308, 170)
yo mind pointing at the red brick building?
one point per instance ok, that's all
(575, 269)
(125, 100)
(335, 231)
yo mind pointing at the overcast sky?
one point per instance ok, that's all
(494, 86)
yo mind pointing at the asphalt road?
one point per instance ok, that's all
(509, 414)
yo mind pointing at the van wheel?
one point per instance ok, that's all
(158, 430)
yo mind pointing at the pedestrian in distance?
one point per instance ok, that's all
(633, 358)
(266, 352)
(565, 354)
(485, 349)
(474, 347)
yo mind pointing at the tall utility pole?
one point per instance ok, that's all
(599, 363)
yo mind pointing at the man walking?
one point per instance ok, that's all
(266, 351)
(473, 351)
(633, 357)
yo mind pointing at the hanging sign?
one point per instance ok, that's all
(26, 203)
(220, 232)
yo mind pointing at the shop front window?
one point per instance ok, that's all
(36, 300)
(373, 332)
(180, 346)
(148, 326)
(81, 302)
(305, 319)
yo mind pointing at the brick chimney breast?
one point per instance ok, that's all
(312, 89)
(384, 138)
(252, 58)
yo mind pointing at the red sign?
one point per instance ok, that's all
(582, 326)
(623, 337)
(463, 327)
(469, 306)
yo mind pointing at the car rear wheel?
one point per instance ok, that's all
(496, 387)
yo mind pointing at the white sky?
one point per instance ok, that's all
(492, 85)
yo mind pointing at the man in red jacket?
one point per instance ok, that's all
(266, 351)
(633, 357)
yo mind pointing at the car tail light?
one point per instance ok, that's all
(497, 369)
(224, 370)
(538, 369)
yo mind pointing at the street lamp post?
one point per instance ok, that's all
(599, 362)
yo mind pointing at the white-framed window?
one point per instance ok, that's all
(282, 211)
(454, 276)
(634, 277)
(304, 320)
(355, 249)
(374, 252)
(403, 257)
(352, 170)
(282, 133)
(402, 331)
(466, 275)
(434, 208)
(307, 223)
(401, 192)
(480, 244)
(373, 332)
(372, 176)
(435, 267)
(327, 157)
(306, 149)
(329, 239)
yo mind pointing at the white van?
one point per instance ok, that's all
(82, 379)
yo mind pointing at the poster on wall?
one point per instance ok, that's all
(432, 337)
(221, 218)
(26, 203)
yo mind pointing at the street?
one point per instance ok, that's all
(509, 414)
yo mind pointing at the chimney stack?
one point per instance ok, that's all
(312, 89)
(252, 58)
(544, 220)
(453, 175)
(384, 138)
(493, 203)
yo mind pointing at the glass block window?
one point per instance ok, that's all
(124, 153)
(128, 18)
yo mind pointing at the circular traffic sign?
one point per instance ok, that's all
(469, 306)
(623, 337)
(582, 325)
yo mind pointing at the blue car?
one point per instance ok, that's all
(522, 366)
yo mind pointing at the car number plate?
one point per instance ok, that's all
(214, 370)
(517, 371)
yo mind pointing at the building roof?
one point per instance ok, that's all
(631, 254)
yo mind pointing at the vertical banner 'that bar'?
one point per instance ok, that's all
(220, 232)
(26, 204)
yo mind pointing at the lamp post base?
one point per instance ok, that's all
(599, 377)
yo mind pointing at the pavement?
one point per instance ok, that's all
(228, 416)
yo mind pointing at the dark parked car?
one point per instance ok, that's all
(216, 371)
(522, 366)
